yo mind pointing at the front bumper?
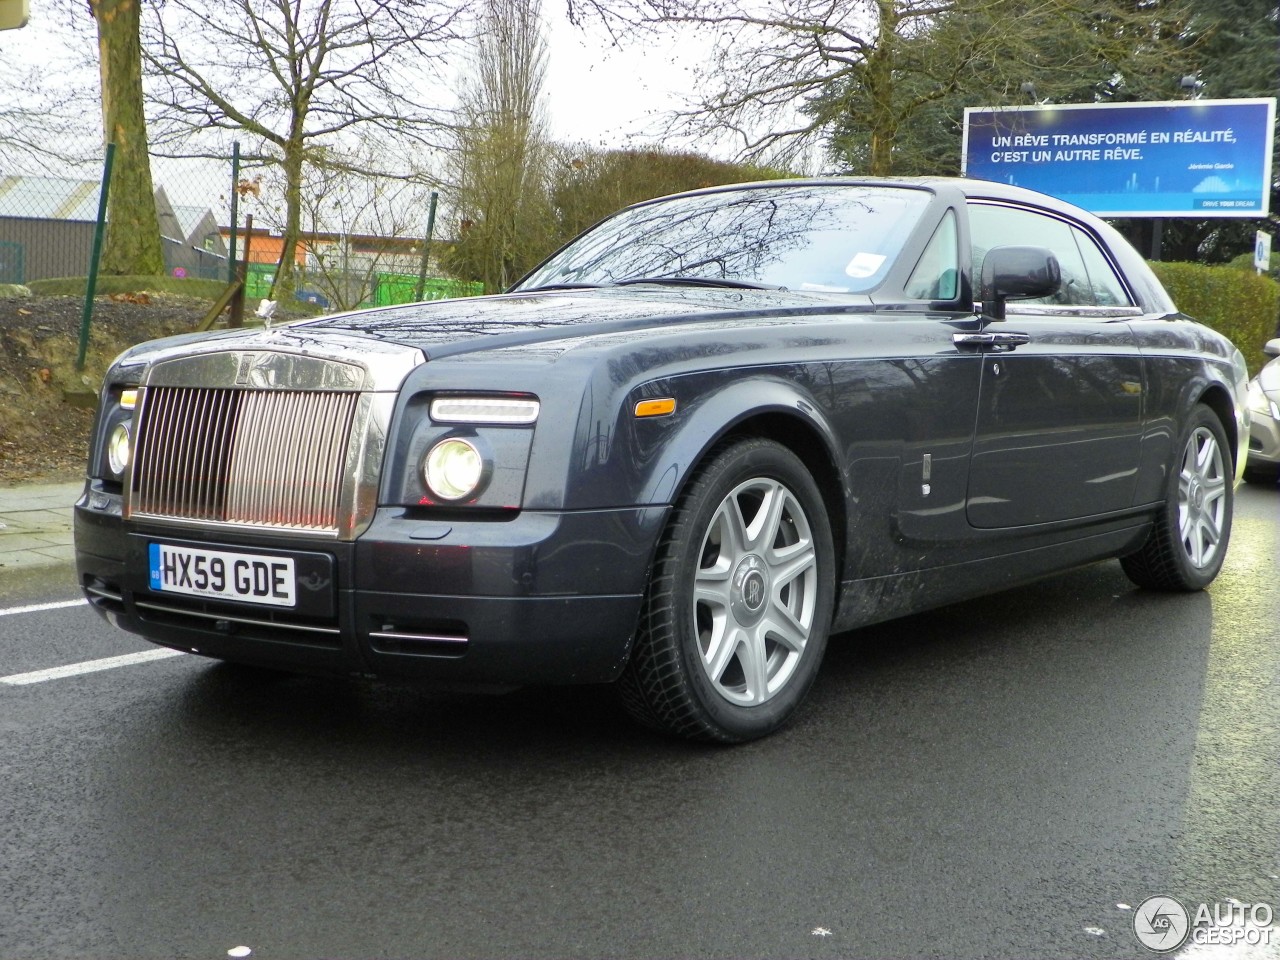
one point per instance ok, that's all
(539, 598)
(1264, 442)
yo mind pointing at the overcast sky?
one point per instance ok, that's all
(606, 95)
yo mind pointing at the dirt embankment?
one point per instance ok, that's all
(43, 435)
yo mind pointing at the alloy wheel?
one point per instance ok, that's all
(1202, 498)
(755, 591)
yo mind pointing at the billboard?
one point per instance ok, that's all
(1191, 158)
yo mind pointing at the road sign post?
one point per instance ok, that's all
(1262, 252)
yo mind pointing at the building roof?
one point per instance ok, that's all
(190, 218)
(61, 198)
(49, 198)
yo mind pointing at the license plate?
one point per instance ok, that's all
(218, 575)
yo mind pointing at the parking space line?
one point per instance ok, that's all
(38, 607)
(88, 666)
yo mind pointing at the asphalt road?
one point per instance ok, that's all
(1007, 777)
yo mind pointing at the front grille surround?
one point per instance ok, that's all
(267, 441)
(255, 457)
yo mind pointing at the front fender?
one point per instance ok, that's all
(711, 406)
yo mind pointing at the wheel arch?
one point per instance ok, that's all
(1218, 399)
(772, 407)
(802, 438)
(766, 408)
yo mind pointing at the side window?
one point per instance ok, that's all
(994, 226)
(937, 275)
(1108, 291)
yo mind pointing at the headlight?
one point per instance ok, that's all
(453, 469)
(1259, 402)
(118, 449)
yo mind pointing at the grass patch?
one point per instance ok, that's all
(108, 285)
(208, 290)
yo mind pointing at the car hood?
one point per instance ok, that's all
(446, 328)
(450, 327)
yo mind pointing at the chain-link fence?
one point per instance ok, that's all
(47, 225)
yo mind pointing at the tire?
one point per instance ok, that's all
(735, 618)
(1188, 541)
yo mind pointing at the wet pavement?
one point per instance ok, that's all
(1008, 777)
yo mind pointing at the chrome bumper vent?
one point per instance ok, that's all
(270, 458)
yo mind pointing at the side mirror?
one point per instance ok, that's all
(1017, 273)
(1272, 347)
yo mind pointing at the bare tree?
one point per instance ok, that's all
(500, 165)
(361, 228)
(588, 184)
(297, 76)
(41, 123)
(784, 72)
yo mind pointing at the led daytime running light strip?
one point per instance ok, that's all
(500, 410)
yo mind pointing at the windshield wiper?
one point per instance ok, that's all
(701, 282)
(558, 286)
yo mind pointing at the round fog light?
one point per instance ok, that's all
(118, 449)
(453, 469)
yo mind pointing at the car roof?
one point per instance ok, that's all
(967, 186)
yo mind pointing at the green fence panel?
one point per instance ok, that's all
(12, 268)
(400, 287)
(394, 288)
(257, 282)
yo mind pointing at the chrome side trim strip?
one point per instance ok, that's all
(247, 621)
(426, 637)
(102, 594)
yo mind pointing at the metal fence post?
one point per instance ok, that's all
(426, 248)
(235, 210)
(91, 283)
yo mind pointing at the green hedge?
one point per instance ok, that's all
(1245, 262)
(1241, 305)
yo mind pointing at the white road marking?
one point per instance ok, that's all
(88, 666)
(37, 607)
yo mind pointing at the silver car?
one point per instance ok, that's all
(1263, 464)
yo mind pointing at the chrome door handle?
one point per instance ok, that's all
(999, 341)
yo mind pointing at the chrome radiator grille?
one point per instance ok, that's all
(273, 458)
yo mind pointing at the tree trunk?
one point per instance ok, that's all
(286, 273)
(132, 242)
(879, 81)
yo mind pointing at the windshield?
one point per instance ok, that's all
(823, 238)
